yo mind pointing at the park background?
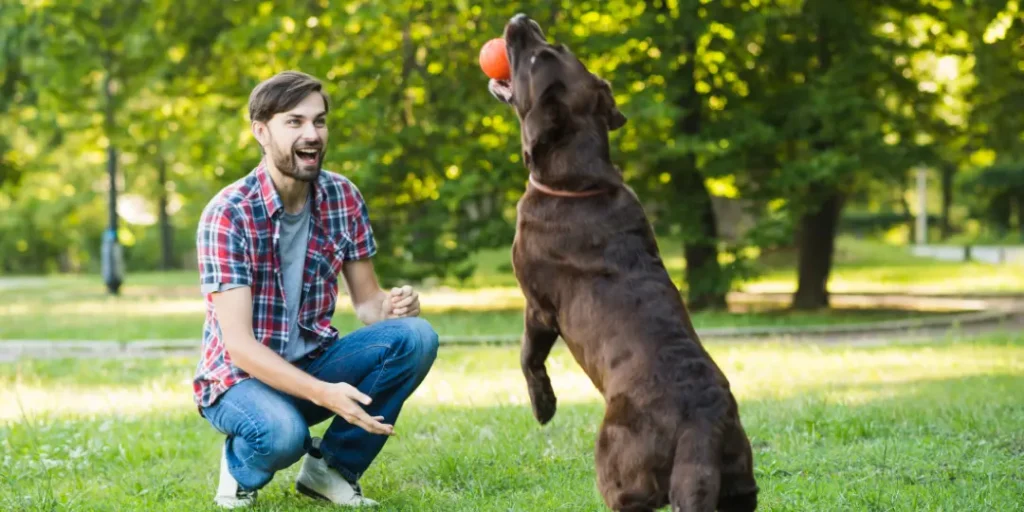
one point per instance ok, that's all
(838, 190)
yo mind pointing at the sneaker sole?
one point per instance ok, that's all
(230, 503)
(302, 489)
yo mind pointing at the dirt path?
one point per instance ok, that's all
(992, 314)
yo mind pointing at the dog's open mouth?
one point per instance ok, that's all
(307, 156)
(501, 89)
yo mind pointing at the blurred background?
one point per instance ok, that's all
(756, 128)
(837, 187)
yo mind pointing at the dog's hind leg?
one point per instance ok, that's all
(696, 477)
(538, 339)
(738, 492)
(633, 462)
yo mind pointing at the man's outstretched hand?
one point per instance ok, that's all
(343, 399)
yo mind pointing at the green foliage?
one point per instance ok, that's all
(763, 102)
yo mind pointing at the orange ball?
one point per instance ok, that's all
(494, 60)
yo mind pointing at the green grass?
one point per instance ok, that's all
(905, 428)
(859, 266)
(873, 266)
(167, 305)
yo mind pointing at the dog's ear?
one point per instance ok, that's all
(540, 122)
(546, 115)
(606, 106)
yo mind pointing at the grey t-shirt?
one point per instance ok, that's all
(293, 243)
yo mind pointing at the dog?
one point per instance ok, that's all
(587, 262)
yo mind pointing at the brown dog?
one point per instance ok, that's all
(588, 264)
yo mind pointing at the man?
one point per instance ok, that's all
(272, 247)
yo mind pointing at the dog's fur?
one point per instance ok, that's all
(591, 273)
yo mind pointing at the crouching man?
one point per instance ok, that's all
(272, 248)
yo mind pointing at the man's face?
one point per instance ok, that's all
(296, 140)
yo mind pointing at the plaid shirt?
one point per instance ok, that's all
(237, 242)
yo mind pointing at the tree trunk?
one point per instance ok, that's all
(946, 229)
(166, 232)
(816, 232)
(1020, 215)
(703, 274)
(816, 241)
(1000, 213)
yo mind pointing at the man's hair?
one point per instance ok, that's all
(281, 93)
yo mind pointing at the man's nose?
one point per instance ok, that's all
(309, 132)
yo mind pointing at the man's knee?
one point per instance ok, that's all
(283, 442)
(421, 341)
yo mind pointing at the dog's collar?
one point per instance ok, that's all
(562, 193)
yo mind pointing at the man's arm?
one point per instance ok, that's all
(371, 303)
(234, 314)
(224, 262)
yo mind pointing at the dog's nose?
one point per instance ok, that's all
(520, 18)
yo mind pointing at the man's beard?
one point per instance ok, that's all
(290, 164)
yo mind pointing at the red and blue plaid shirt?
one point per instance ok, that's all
(237, 243)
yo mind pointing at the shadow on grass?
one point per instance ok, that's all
(941, 444)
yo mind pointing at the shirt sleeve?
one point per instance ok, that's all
(222, 250)
(218, 287)
(364, 245)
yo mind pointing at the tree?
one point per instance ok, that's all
(837, 90)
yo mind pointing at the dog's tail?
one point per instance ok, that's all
(696, 477)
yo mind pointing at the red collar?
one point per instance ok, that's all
(562, 193)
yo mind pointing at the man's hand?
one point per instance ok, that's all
(342, 398)
(401, 302)
(371, 302)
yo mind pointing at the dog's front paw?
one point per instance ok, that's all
(542, 396)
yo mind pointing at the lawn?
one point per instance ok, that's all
(99, 318)
(168, 305)
(860, 265)
(922, 428)
(873, 266)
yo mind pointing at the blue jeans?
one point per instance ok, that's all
(268, 430)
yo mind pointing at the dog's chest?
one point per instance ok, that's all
(535, 267)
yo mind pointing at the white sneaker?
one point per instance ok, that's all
(318, 480)
(229, 495)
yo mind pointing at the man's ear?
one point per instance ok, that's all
(259, 130)
(606, 106)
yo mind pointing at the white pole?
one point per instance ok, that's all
(922, 206)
